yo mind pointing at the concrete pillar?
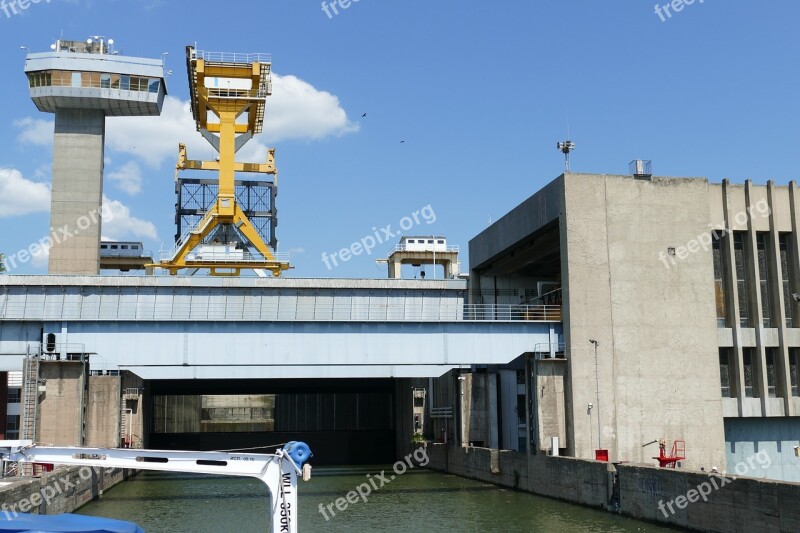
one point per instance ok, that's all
(729, 265)
(492, 420)
(508, 402)
(395, 270)
(3, 403)
(103, 412)
(77, 191)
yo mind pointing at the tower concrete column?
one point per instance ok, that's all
(75, 215)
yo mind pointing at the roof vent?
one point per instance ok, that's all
(641, 168)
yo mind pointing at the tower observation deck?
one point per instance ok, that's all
(82, 83)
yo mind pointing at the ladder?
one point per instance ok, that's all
(30, 405)
(123, 428)
(30, 398)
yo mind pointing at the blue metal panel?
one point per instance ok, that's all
(307, 349)
(763, 447)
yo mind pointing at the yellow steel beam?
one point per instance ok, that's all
(214, 128)
(227, 106)
(255, 168)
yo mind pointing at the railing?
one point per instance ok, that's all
(235, 94)
(513, 313)
(231, 57)
(118, 254)
(234, 256)
(413, 248)
(244, 309)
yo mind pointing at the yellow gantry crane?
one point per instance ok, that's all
(228, 98)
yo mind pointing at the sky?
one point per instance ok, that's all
(465, 102)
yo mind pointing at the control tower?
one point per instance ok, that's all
(83, 83)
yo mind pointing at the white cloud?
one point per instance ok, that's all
(36, 131)
(40, 256)
(154, 139)
(121, 224)
(19, 196)
(128, 178)
(296, 110)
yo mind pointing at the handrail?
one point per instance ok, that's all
(234, 256)
(405, 248)
(231, 57)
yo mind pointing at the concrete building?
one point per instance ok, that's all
(83, 83)
(687, 291)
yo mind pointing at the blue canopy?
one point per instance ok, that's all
(34, 523)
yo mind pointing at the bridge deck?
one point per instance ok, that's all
(210, 328)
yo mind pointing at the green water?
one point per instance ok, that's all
(417, 501)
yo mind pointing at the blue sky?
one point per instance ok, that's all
(479, 91)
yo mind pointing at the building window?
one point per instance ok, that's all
(793, 371)
(14, 395)
(725, 372)
(784, 243)
(739, 251)
(12, 427)
(772, 378)
(750, 388)
(719, 283)
(762, 248)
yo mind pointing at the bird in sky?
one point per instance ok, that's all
(364, 115)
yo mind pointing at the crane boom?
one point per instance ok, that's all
(277, 471)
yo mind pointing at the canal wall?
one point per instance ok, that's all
(587, 483)
(63, 490)
(691, 500)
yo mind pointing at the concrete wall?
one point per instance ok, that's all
(61, 412)
(733, 505)
(564, 478)
(62, 491)
(637, 491)
(655, 321)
